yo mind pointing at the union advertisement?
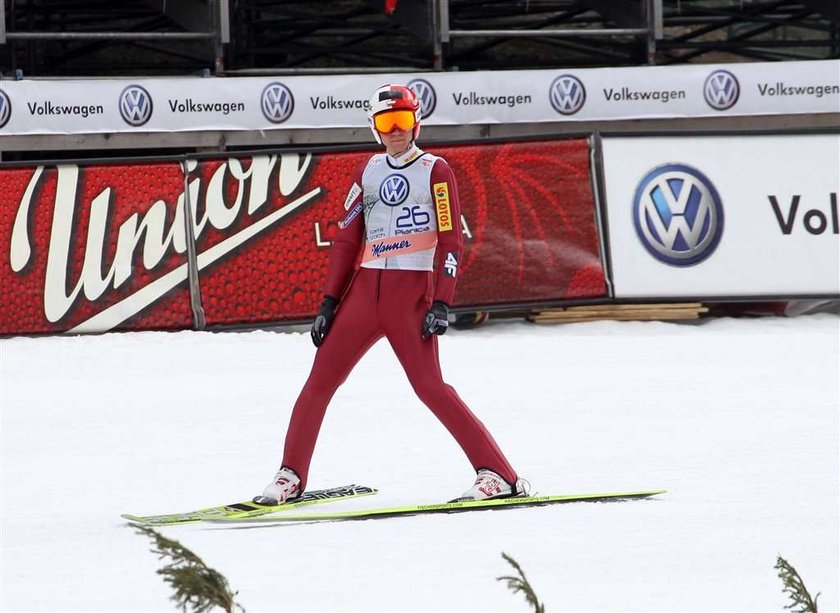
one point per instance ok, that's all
(97, 247)
(724, 216)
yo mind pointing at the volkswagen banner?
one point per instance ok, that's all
(723, 216)
(448, 98)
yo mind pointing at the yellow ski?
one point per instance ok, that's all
(446, 507)
(247, 508)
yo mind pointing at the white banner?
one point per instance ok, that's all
(450, 98)
(723, 216)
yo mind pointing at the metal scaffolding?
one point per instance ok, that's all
(57, 38)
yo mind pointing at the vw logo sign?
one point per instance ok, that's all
(135, 105)
(567, 94)
(5, 108)
(721, 90)
(425, 94)
(394, 190)
(678, 215)
(277, 102)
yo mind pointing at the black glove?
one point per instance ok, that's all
(436, 320)
(323, 320)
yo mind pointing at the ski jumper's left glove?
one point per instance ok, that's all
(436, 320)
(323, 320)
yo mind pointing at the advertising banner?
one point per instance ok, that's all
(723, 216)
(85, 243)
(89, 248)
(529, 231)
(448, 98)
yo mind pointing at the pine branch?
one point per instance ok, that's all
(521, 584)
(197, 587)
(795, 588)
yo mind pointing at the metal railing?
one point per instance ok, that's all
(295, 37)
(218, 33)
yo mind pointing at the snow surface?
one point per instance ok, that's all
(737, 418)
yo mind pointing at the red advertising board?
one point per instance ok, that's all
(530, 211)
(101, 247)
(87, 244)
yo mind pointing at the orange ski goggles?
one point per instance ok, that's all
(389, 121)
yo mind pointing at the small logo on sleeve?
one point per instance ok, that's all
(450, 264)
(444, 213)
(351, 216)
(354, 193)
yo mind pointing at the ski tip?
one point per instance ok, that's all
(133, 518)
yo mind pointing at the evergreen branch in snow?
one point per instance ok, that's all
(801, 601)
(521, 584)
(197, 587)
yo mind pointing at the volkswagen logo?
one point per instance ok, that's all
(678, 215)
(5, 108)
(721, 90)
(426, 95)
(135, 105)
(394, 190)
(567, 94)
(277, 102)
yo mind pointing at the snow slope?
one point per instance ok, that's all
(737, 418)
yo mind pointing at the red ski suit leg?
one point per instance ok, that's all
(390, 303)
(354, 330)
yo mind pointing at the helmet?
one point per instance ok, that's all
(393, 98)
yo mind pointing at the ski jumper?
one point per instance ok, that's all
(404, 213)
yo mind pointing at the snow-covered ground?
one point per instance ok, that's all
(737, 418)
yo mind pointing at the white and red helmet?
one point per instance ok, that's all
(393, 98)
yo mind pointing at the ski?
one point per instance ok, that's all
(446, 507)
(248, 508)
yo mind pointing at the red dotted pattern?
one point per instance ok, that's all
(531, 212)
(134, 189)
(279, 274)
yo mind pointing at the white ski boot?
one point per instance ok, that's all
(285, 487)
(489, 485)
